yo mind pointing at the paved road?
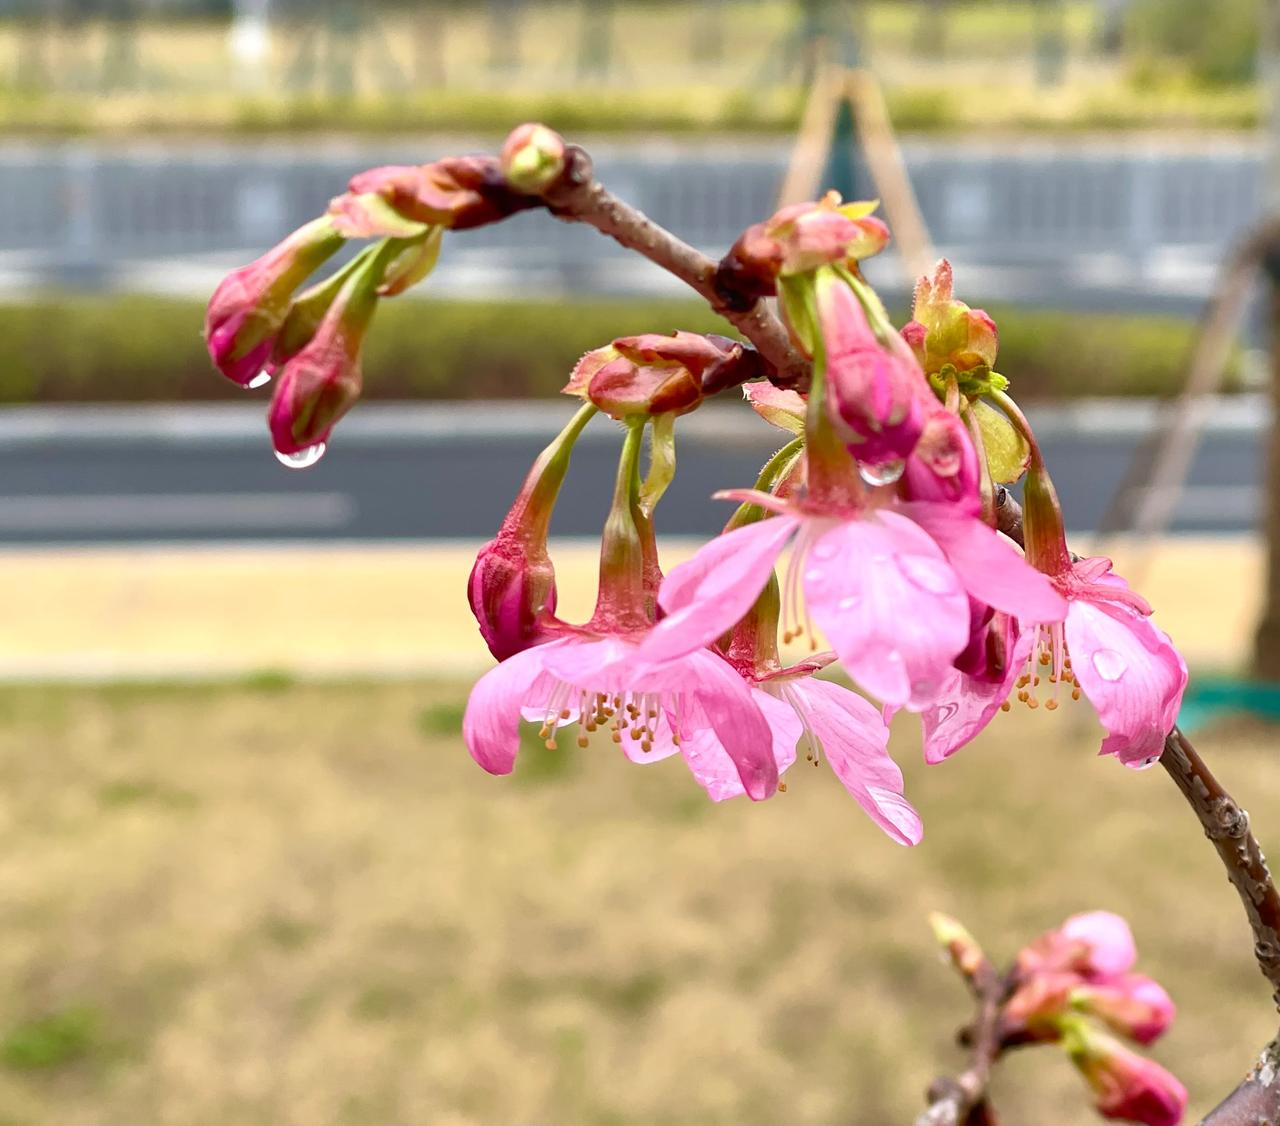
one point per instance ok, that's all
(93, 475)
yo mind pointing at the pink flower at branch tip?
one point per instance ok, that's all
(1126, 1086)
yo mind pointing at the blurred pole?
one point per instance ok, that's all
(504, 35)
(1266, 646)
(249, 42)
(1050, 20)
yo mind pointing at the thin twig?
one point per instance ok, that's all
(961, 1099)
(1257, 1099)
(578, 197)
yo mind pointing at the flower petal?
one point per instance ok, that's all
(708, 594)
(967, 704)
(890, 604)
(1132, 674)
(720, 700)
(990, 566)
(855, 740)
(491, 724)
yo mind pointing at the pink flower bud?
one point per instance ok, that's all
(457, 192)
(532, 157)
(876, 398)
(798, 239)
(945, 331)
(782, 408)
(993, 639)
(512, 591)
(1035, 1010)
(655, 374)
(319, 384)
(248, 307)
(1126, 1086)
(1132, 1005)
(1097, 945)
(943, 466)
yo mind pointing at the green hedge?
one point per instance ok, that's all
(131, 349)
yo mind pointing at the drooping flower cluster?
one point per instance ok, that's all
(874, 528)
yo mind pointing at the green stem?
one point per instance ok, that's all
(771, 472)
(621, 598)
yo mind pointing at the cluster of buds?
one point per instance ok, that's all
(261, 325)
(1074, 987)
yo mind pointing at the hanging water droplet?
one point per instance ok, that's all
(1110, 664)
(886, 473)
(303, 459)
(260, 380)
(931, 575)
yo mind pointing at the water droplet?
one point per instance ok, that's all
(849, 602)
(886, 473)
(815, 576)
(303, 459)
(893, 657)
(931, 575)
(825, 550)
(260, 380)
(1110, 664)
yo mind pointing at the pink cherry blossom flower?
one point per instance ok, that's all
(888, 586)
(602, 681)
(1109, 648)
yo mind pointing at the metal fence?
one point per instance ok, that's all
(90, 208)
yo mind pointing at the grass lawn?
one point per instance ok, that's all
(288, 904)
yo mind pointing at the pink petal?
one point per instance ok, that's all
(720, 699)
(966, 705)
(491, 724)
(855, 740)
(990, 566)
(1111, 950)
(1132, 674)
(707, 595)
(715, 770)
(661, 747)
(890, 604)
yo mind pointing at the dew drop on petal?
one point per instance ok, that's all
(931, 575)
(260, 380)
(824, 550)
(1110, 664)
(886, 473)
(303, 459)
(849, 602)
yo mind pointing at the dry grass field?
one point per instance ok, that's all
(282, 904)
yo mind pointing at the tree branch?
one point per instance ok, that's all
(961, 1100)
(576, 196)
(1257, 1100)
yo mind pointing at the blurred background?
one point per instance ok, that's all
(248, 873)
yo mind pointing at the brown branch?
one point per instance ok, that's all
(1257, 1099)
(961, 1100)
(578, 197)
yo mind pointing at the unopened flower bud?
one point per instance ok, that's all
(532, 157)
(249, 306)
(1133, 1005)
(1126, 1086)
(875, 397)
(943, 466)
(961, 947)
(650, 374)
(320, 382)
(779, 407)
(1095, 944)
(512, 589)
(992, 647)
(945, 331)
(457, 192)
(798, 239)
